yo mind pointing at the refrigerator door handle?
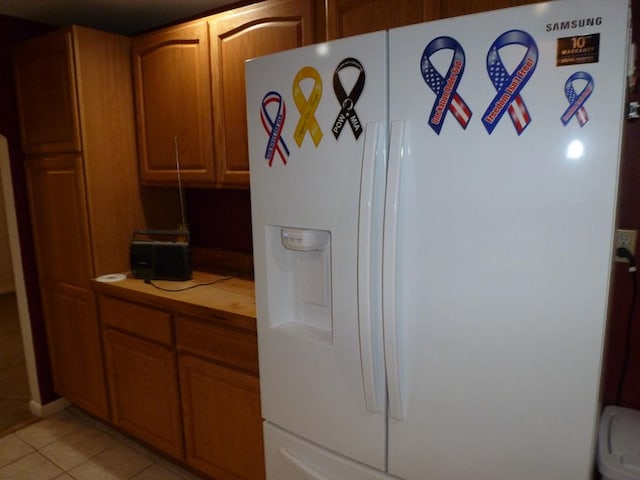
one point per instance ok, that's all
(397, 153)
(365, 221)
(299, 464)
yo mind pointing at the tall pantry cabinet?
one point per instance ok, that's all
(76, 116)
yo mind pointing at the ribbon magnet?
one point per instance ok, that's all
(348, 101)
(509, 86)
(577, 100)
(273, 126)
(445, 88)
(307, 106)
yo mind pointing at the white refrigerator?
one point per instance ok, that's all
(433, 211)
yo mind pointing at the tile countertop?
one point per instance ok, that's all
(229, 300)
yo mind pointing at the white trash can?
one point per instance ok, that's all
(619, 444)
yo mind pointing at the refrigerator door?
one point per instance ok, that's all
(318, 115)
(503, 164)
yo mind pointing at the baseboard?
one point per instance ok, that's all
(48, 409)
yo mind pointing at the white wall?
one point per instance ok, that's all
(9, 225)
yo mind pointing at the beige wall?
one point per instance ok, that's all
(6, 272)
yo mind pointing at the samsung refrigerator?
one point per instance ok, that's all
(433, 214)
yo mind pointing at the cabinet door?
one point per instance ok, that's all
(173, 104)
(464, 7)
(143, 389)
(353, 17)
(222, 421)
(59, 220)
(46, 93)
(239, 35)
(74, 348)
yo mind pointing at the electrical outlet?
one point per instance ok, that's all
(625, 239)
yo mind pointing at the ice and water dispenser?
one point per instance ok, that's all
(299, 279)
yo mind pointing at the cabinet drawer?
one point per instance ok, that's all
(146, 322)
(227, 345)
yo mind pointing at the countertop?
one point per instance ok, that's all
(206, 295)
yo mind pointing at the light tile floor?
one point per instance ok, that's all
(71, 445)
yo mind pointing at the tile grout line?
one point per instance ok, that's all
(71, 422)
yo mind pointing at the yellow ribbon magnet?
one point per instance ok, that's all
(307, 106)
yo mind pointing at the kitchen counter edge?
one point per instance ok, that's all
(206, 295)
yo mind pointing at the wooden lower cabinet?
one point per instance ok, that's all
(185, 385)
(73, 337)
(143, 386)
(222, 421)
(142, 374)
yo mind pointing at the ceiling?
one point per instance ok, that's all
(127, 17)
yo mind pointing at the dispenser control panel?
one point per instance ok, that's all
(304, 240)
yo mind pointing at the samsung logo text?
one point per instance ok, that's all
(572, 24)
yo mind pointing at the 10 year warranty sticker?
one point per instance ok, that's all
(578, 50)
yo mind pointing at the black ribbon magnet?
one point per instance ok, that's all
(348, 101)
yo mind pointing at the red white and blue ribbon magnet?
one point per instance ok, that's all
(273, 126)
(510, 85)
(577, 100)
(445, 88)
(348, 101)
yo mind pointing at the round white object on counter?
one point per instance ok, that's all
(111, 277)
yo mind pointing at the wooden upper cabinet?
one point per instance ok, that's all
(236, 36)
(353, 17)
(464, 7)
(48, 116)
(173, 104)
